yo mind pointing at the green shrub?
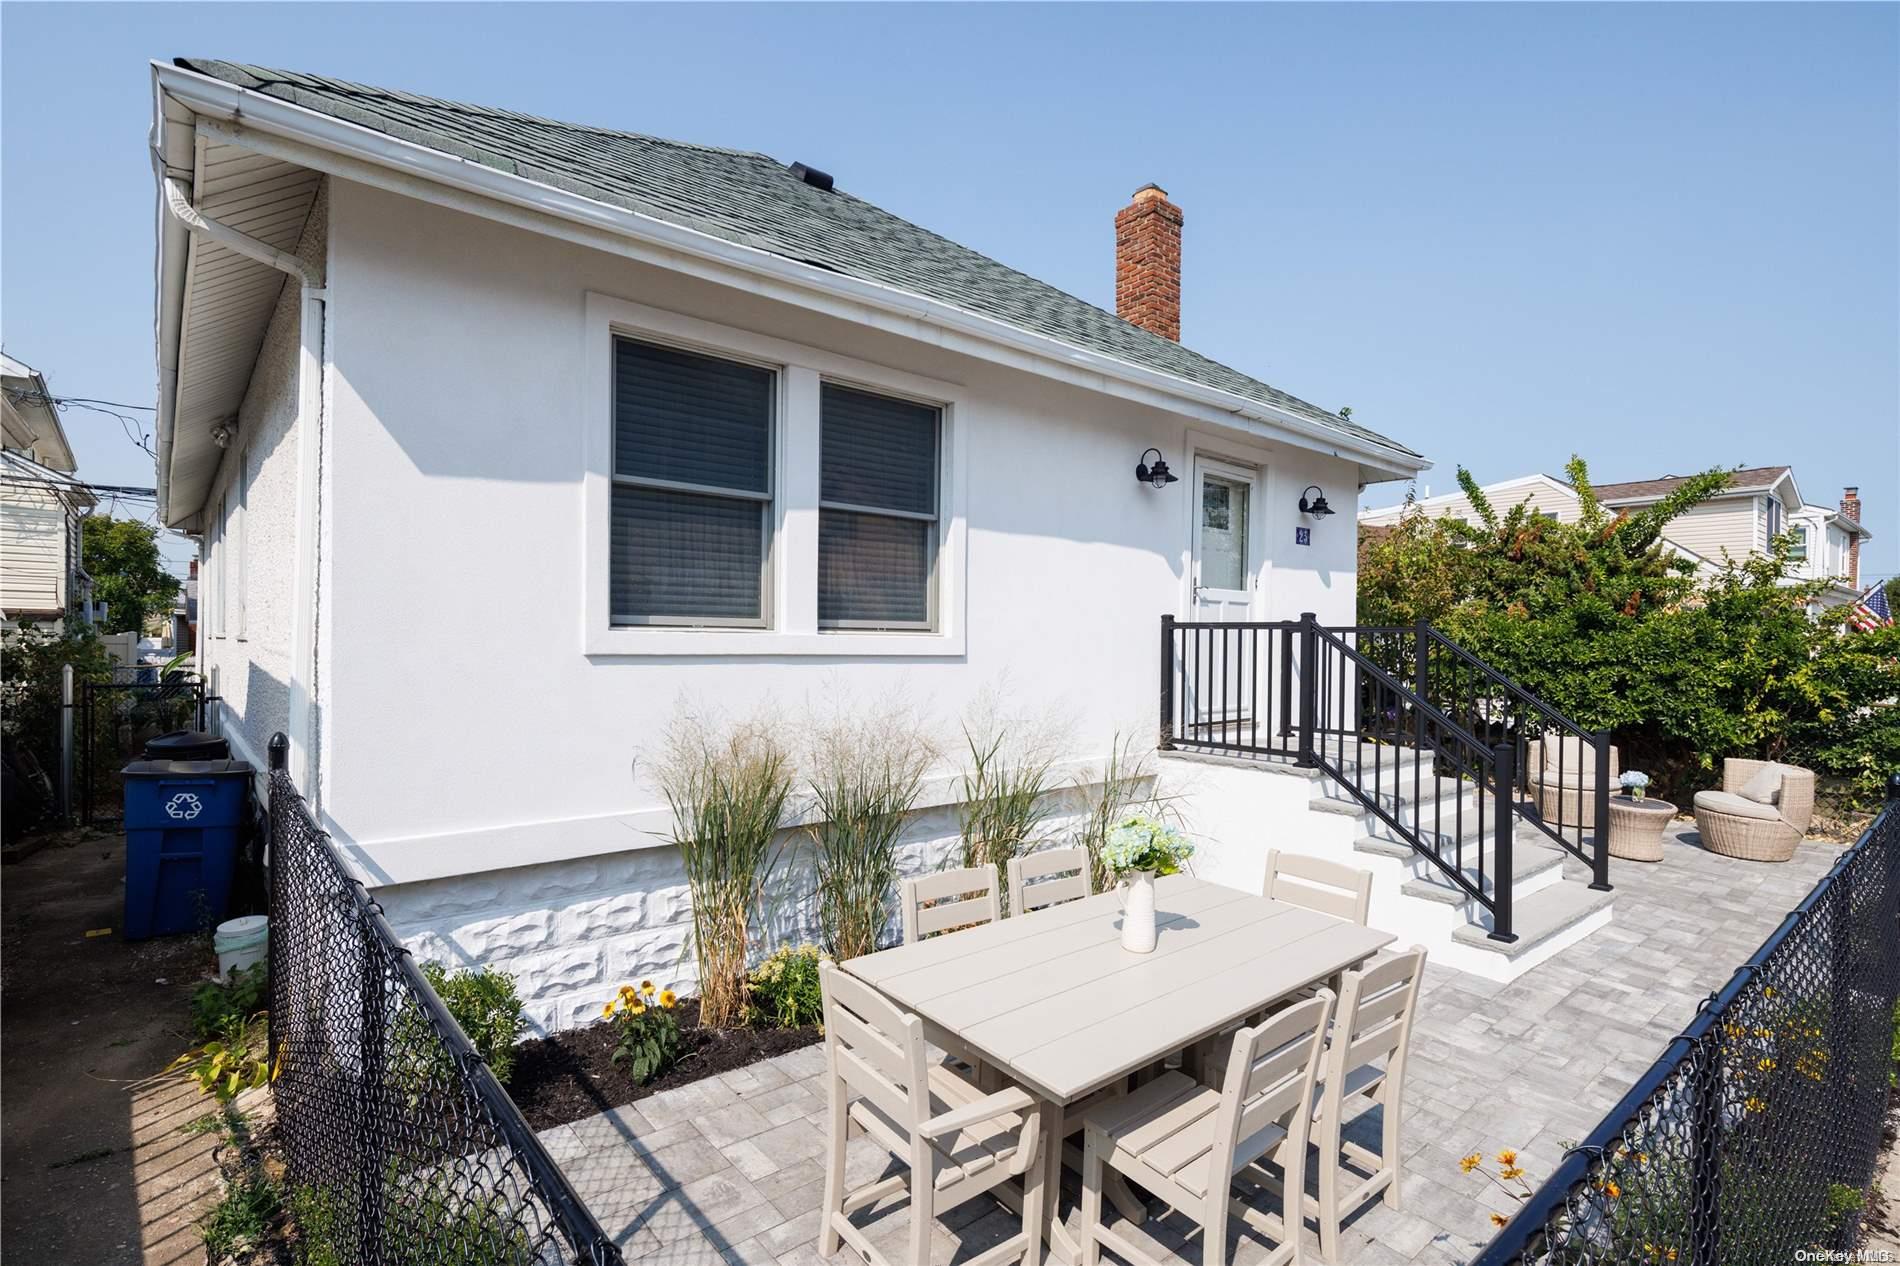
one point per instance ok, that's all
(784, 990)
(1599, 620)
(215, 1002)
(484, 1003)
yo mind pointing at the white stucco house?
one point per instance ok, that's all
(721, 430)
(1759, 504)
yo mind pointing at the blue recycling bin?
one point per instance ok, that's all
(183, 819)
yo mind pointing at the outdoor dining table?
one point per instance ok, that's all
(1053, 1002)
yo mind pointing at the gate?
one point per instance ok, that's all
(114, 720)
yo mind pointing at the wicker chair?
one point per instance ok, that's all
(1562, 772)
(1745, 826)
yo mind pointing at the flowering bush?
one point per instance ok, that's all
(784, 989)
(649, 1030)
(1141, 843)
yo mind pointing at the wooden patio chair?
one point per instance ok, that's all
(1365, 1064)
(956, 1141)
(1048, 878)
(1187, 1143)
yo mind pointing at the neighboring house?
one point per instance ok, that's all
(42, 505)
(730, 432)
(1760, 503)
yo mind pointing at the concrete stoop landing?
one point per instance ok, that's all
(1411, 896)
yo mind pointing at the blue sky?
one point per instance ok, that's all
(1664, 236)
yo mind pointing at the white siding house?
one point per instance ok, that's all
(42, 504)
(701, 465)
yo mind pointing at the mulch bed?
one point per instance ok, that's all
(571, 1076)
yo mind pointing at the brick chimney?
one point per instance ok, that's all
(1850, 508)
(1148, 262)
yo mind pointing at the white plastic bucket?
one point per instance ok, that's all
(241, 942)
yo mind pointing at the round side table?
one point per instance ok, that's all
(1636, 828)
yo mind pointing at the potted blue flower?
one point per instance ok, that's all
(1134, 852)
(1635, 783)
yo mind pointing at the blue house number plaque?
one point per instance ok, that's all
(1302, 536)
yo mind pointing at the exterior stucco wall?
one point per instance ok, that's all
(246, 656)
(495, 779)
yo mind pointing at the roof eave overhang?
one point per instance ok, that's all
(358, 153)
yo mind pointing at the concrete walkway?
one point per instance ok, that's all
(728, 1171)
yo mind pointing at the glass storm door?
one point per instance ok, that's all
(1217, 670)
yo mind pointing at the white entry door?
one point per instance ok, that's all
(1224, 565)
(1218, 675)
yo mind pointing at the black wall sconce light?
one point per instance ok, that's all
(1158, 474)
(1317, 507)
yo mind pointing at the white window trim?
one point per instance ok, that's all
(792, 606)
(240, 521)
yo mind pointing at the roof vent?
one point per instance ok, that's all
(812, 176)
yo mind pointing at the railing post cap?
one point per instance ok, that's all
(1893, 785)
(280, 750)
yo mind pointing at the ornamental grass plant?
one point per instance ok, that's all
(727, 785)
(867, 768)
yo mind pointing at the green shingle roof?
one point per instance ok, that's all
(754, 200)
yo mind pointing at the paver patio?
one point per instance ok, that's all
(730, 1169)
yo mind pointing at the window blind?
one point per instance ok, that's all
(877, 526)
(694, 553)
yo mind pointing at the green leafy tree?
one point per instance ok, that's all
(121, 556)
(1603, 621)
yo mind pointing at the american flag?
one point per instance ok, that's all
(1872, 610)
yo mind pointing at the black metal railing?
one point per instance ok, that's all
(1339, 700)
(399, 1144)
(1563, 770)
(1754, 1139)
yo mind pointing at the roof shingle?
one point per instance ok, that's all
(1751, 477)
(754, 200)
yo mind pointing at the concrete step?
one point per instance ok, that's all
(1542, 919)
(1530, 863)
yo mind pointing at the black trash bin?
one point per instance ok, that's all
(187, 745)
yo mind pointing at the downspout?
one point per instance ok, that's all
(312, 314)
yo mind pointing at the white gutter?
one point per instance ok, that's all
(304, 715)
(255, 111)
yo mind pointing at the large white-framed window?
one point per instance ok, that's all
(692, 487)
(877, 509)
(861, 532)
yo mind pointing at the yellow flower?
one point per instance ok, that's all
(638, 1009)
(1642, 1158)
(609, 1008)
(1754, 1103)
(1611, 1190)
(626, 992)
(668, 999)
(1769, 992)
(1470, 1162)
(1766, 1064)
(1507, 1157)
(646, 986)
(1510, 1171)
(1498, 1219)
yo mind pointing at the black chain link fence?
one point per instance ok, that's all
(400, 1146)
(1754, 1138)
